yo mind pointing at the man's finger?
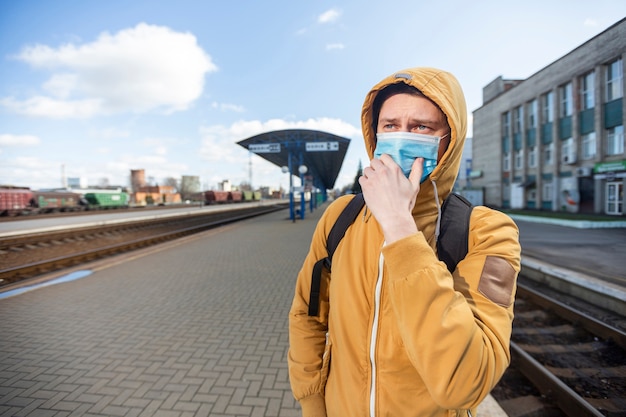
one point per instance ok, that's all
(416, 171)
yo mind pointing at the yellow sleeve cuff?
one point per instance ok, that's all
(313, 406)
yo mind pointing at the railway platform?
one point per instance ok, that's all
(196, 327)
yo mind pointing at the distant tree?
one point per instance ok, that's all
(356, 187)
(190, 187)
(172, 182)
(245, 186)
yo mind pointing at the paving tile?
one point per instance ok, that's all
(197, 328)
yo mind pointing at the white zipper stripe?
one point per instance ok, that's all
(379, 285)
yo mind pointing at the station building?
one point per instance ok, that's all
(555, 141)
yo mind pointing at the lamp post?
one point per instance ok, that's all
(302, 169)
(287, 170)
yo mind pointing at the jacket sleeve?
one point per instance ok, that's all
(456, 327)
(309, 350)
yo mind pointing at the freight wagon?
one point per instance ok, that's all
(223, 197)
(251, 196)
(14, 200)
(106, 199)
(54, 201)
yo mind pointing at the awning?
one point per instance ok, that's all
(321, 152)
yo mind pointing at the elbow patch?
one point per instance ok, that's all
(497, 281)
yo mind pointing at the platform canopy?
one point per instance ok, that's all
(322, 153)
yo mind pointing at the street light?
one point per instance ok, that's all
(302, 169)
(285, 170)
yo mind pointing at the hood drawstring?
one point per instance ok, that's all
(438, 224)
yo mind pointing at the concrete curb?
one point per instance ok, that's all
(593, 290)
(579, 224)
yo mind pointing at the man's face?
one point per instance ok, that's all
(416, 114)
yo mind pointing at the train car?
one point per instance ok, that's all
(236, 196)
(15, 200)
(106, 199)
(217, 197)
(54, 201)
(248, 196)
(251, 196)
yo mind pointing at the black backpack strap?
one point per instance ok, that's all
(337, 232)
(454, 232)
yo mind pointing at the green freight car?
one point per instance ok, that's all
(107, 199)
(251, 196)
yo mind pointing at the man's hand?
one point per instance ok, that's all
(391, 196)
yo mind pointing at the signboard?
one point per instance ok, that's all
(264, 147)
(322, 146)
(615, 166)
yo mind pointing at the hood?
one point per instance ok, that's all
(445, 91)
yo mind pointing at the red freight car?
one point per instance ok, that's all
(236, 196)
(219, 197)
(14, 200)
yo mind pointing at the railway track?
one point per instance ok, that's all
(27, 256)
(564, 362)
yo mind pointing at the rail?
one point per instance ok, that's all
(178, 227)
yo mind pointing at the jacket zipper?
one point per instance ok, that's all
(379, 282)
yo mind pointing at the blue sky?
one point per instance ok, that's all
(94, 89)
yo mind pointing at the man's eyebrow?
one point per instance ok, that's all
(426, 121)
(388, 119)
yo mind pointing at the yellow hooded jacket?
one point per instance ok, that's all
(403, 336)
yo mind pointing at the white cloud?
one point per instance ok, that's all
(333, 46)
(109, 133)
(40, 106)
(139, 69)
(228, 107)
(18, 140)
(219, 142)
(329, 16)
(219, 147)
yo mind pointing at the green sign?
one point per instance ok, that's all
(615, 166)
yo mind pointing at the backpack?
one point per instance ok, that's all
(451, 244)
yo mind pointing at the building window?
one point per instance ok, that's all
(589, 145)
(546, 191)
(548, 152)
(532, 157)
(506, 162)
(565, 93)
(614, 197)
(614, 80)
(547, 107)
(518, 116)
(532, 114)
(587, 91)
(519, 159)
(615, 140)
(568, 151)
(506, 124)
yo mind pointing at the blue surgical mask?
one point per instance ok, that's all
(405, 147)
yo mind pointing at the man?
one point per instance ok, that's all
(397, 334)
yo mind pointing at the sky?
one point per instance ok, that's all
(94, 89)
